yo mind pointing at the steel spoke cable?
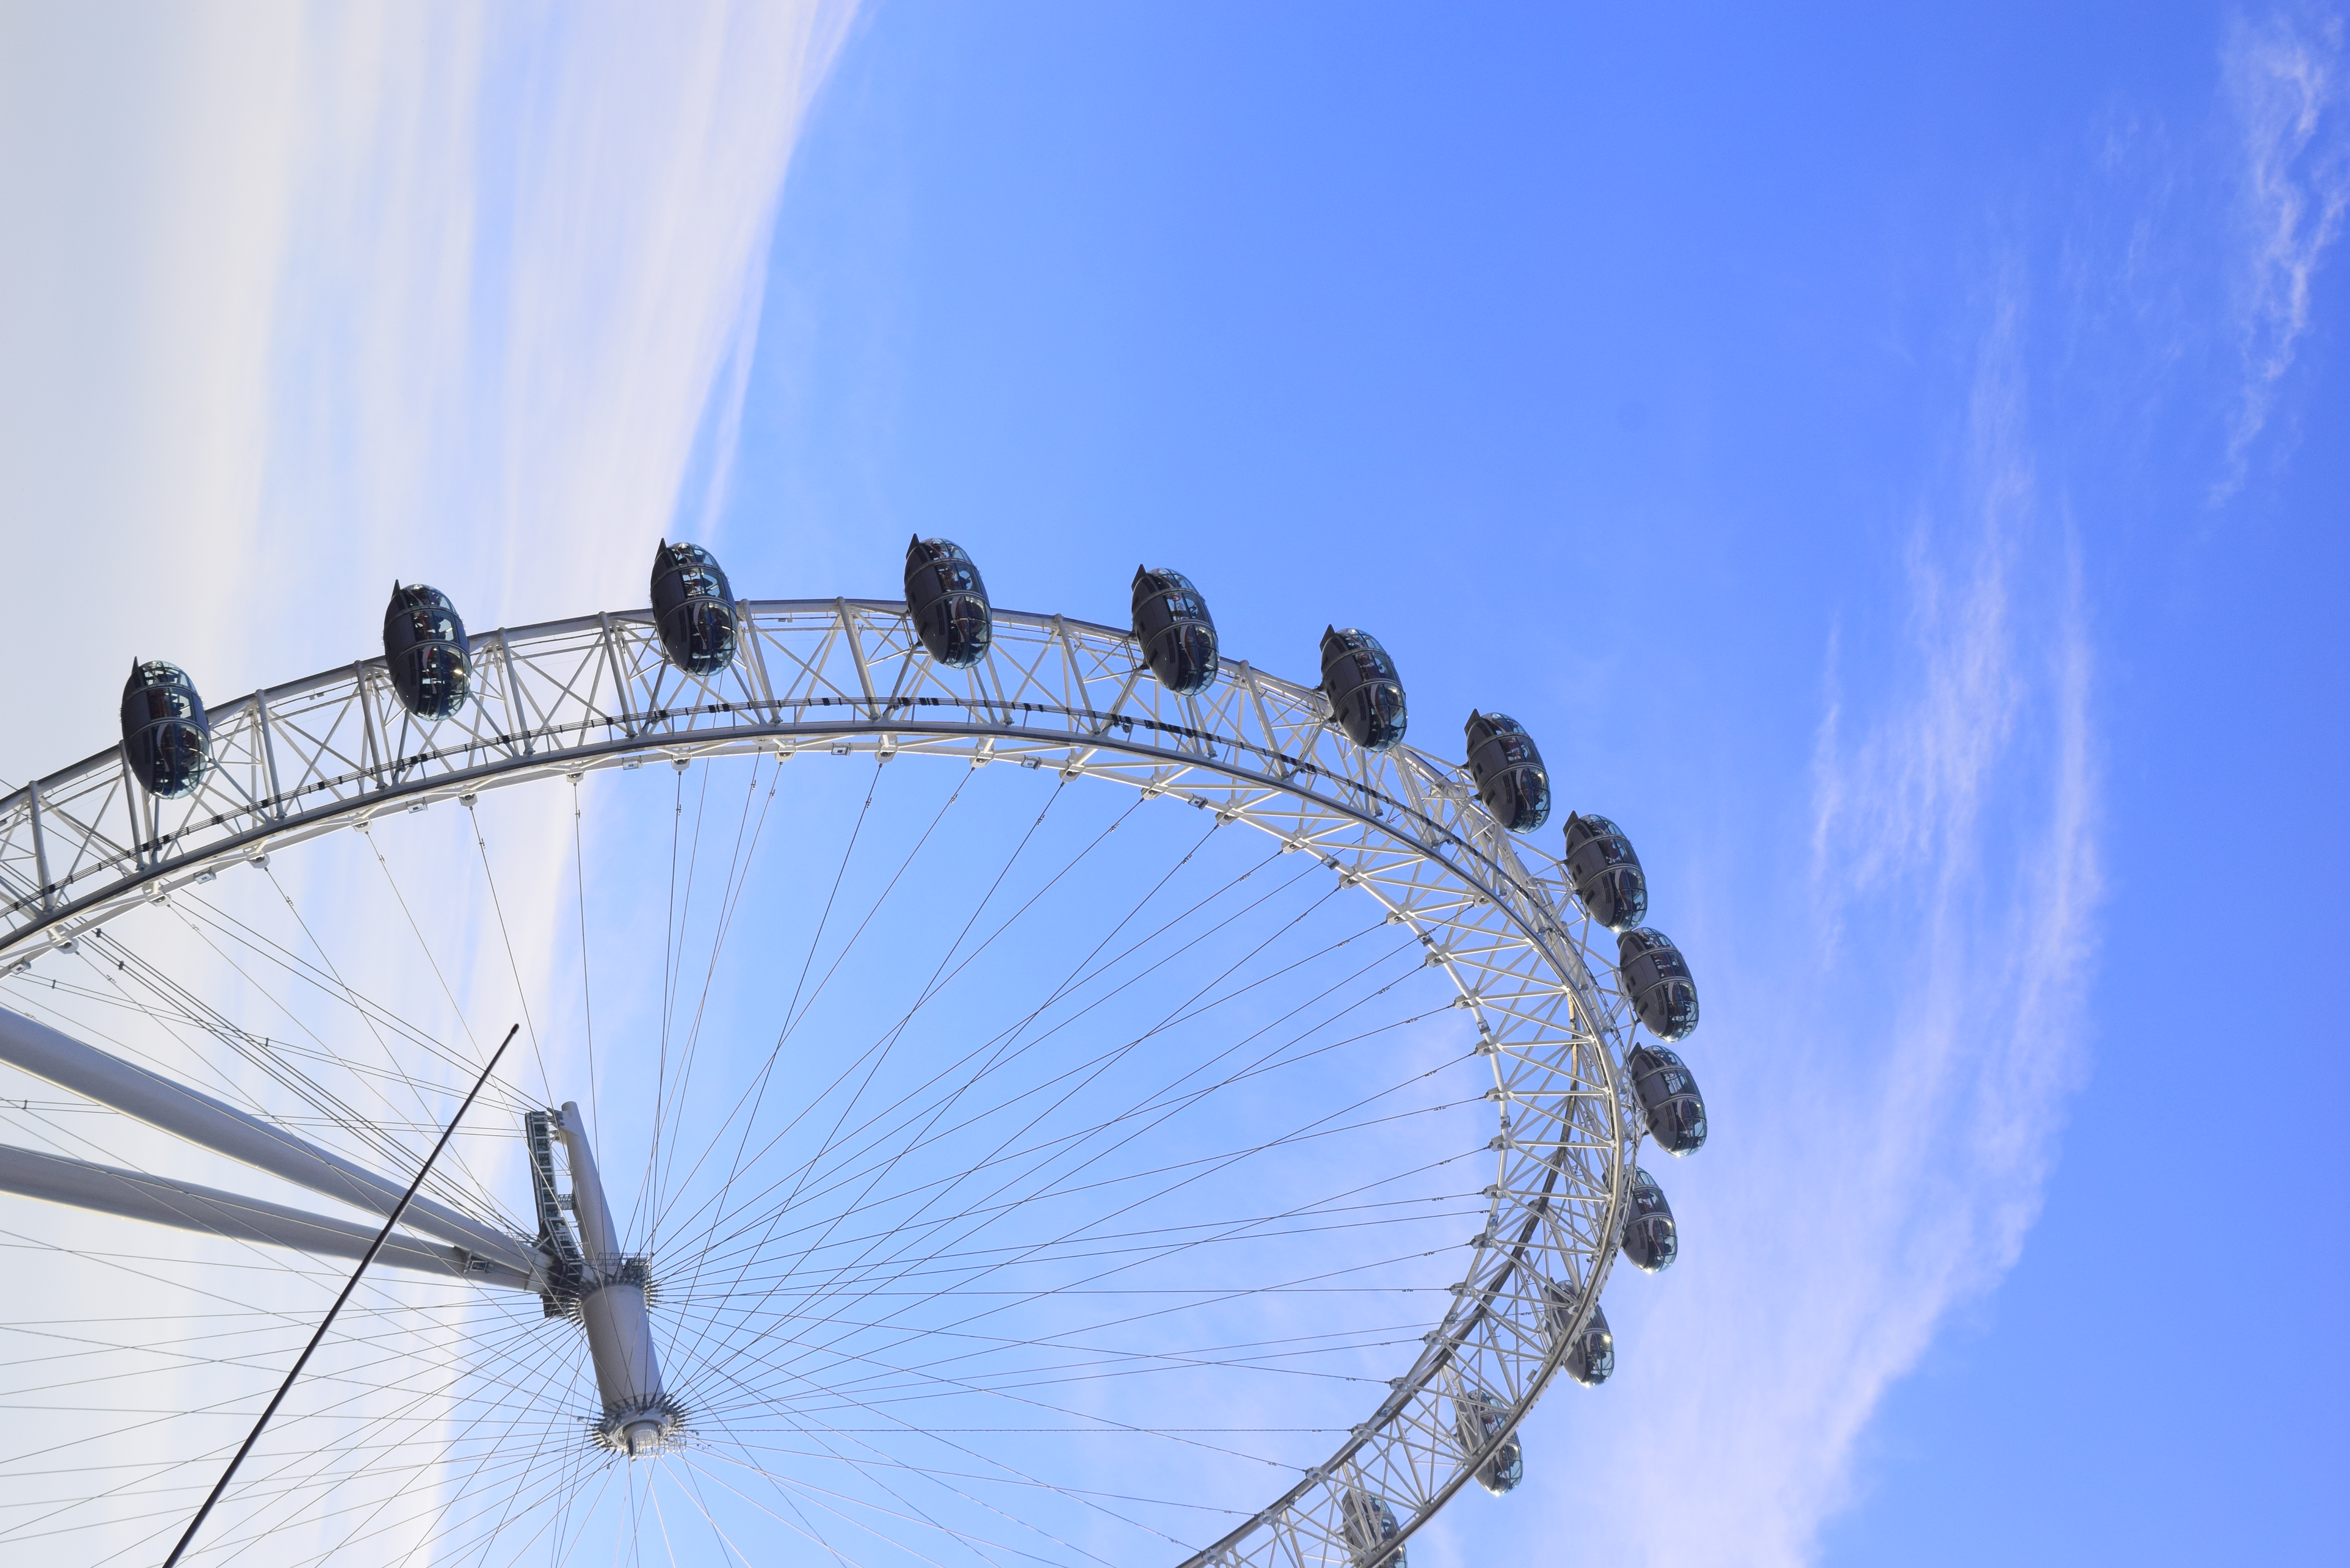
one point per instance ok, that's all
(116, 999)
(738, 879)
(1143, 1252)
(586, 971)
(228, 1087)
(266, 948)
(507, 1503)
(546, 1428)
(718, 1211)
(318, 1487)
(434, 1391)
(867, 1392)
(514, 965)
(1228, 1156)
(692, 1489)
(66, 1139)
(1003, 1187)
(944, 1256)
(366, 831)
(176, 1359)
(808, 1166)
(881, 1056)
(939, 1477)
(755, 1095)
(805, 1529)
(997, 1048)
(889, 1037)
(941, 1075)
(671, 955)
(1102, 1421)
(985, 1045)
(1110, 1058)
(365, 1015)
(562, 1549)
(1075, 1069)
(915, 1514)
(1328, 1342)
(390, 1220)
(994, 1344)
(372, 1526)
(304, 1085)
(1030, 1296)
(1151, 1103)
(943, 1107)
(456, 1183)
(1014, 1475)
(891, 1462)
(848, 1158)
(653, 1493)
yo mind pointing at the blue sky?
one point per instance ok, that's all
(1889, 461)
(1886, 459)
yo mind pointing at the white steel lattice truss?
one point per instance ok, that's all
(293, 761)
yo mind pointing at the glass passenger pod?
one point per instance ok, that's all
(1173, 629)
(693, 608)
(1657, 982)
(1508, 768)
(1590, 1355)
(425, 651)
(1478, 1419)
(1606, 872)
(1369, 1524)
(1365, 691)
(948, 602)
(1668, 1098)
(1651, 1239)
(166, 739)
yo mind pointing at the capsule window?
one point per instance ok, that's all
(947, 602)
(166, 738)
(693, 608)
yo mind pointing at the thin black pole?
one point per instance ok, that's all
(353, 1283)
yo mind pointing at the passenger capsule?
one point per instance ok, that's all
(1478, 1419)
(1668, 1096)
(1508, 768)
(1177, 635)
(1606, 872)
(166, 738)
(1590, 1355)
(948, 602)
(1365, 691)
(1651, 1239)
(424, 648)
(1369, 1524)
(693, 606)
(1657, 981)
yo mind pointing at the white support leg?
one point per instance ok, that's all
(638, 1417)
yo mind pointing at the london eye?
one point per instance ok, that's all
(993, 1086)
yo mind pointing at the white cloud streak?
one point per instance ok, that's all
(2284, 83)
(1889, 1055)
(297, 300)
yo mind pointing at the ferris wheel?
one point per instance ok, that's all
(917, 1152)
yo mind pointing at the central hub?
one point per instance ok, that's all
(642, 1429)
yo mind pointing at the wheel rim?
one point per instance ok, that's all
(297, 761)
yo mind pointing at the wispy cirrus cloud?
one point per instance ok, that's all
(1893, 1048)
(2284, 83)
(300, 299)
(1934, 1033)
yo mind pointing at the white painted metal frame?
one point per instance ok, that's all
(849, 675)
